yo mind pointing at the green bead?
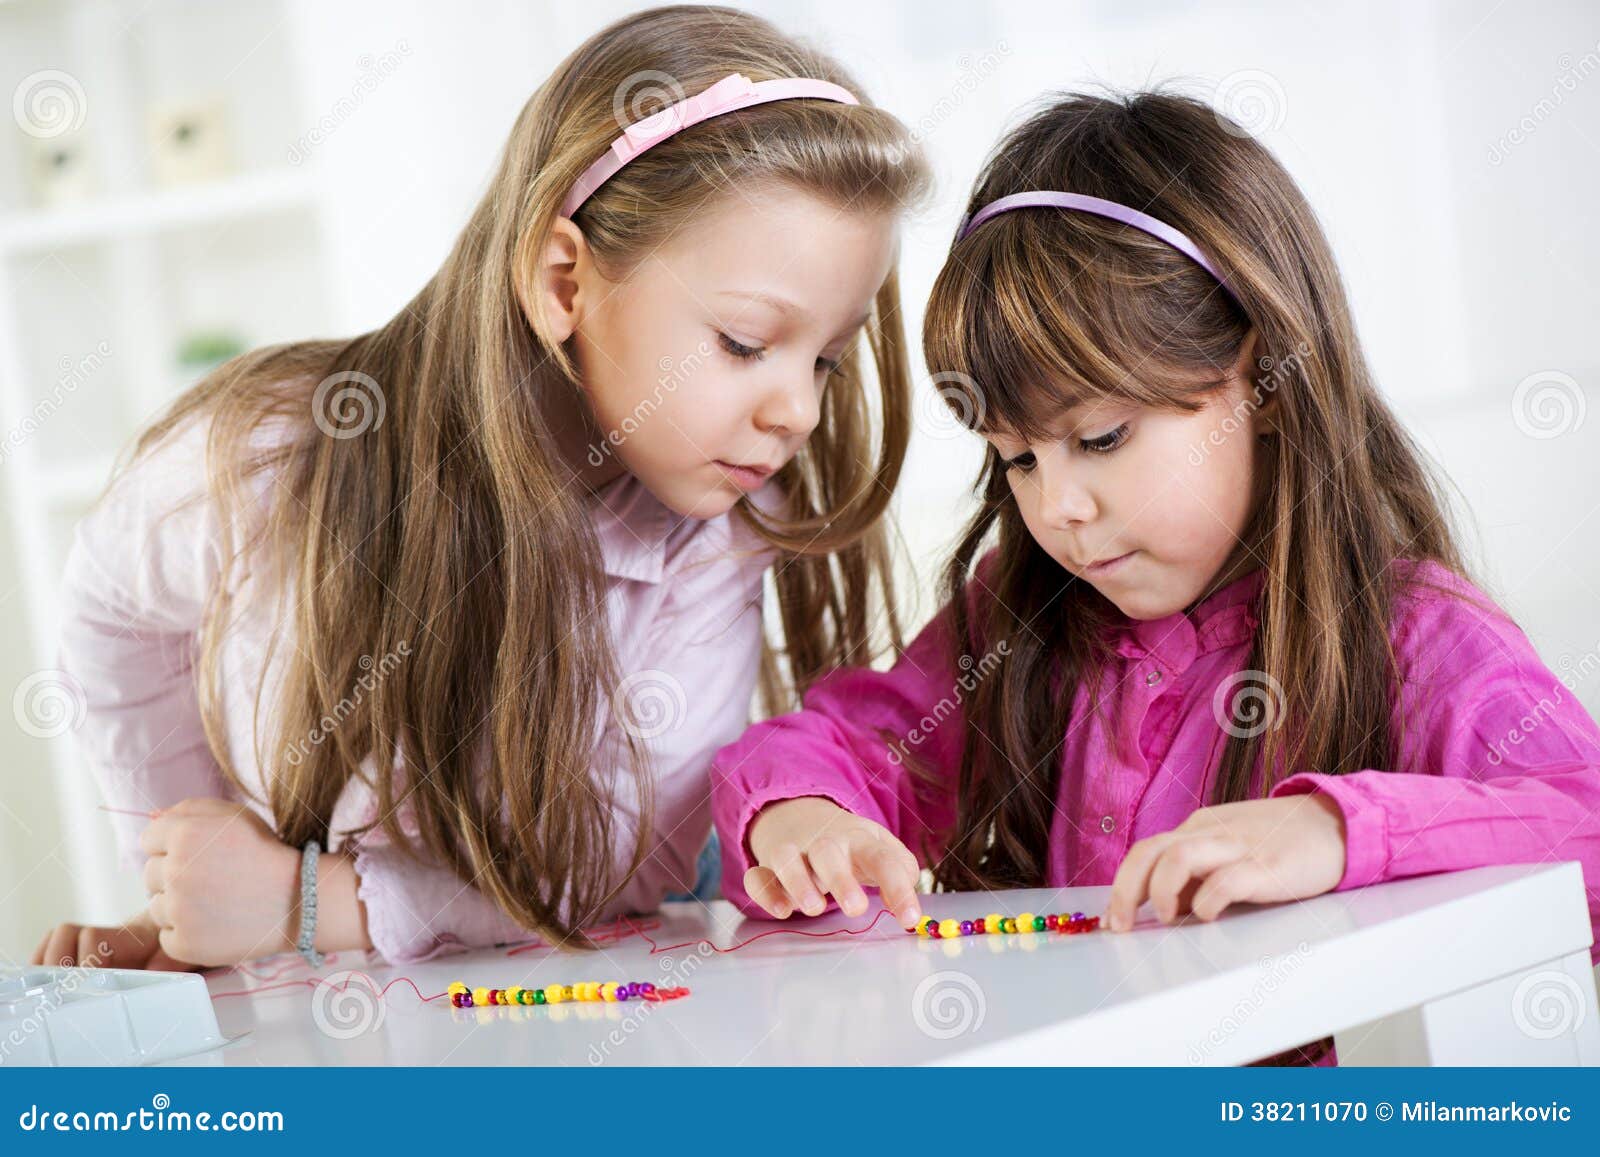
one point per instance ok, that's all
(1038, 923)
(538, 996)
(1008, 925)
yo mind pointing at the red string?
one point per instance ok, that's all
(656, 948)
(621, 928)
(314, 981)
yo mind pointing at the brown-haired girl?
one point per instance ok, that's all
(1224, 649)
(468, 601)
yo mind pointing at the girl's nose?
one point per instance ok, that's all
(792, 406)
(1063, 499)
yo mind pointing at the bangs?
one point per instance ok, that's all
(1043, 311)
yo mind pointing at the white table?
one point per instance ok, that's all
(1489, 966)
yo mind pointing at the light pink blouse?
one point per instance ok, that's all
(684, 603)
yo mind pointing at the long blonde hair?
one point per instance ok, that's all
(1041, 310)
(446, 532)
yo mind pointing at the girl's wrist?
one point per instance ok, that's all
(341, 916)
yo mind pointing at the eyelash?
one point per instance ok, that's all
(746, 353)
(1104, 444)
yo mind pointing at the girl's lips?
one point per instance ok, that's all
(1104, 568)
(745, 477)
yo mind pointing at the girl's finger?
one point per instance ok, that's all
(830, 864)
(1237, 881)
(1185, 860)
(153, 839)
(762, 886)
(157, 908)
(1132, 881)
(160, 962)
(884, 866)
(796, 879)
(63, 941)
(155, 875)
(92, 948)
(38, 953)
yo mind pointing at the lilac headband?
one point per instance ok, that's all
(1100, 207)
(733, 92)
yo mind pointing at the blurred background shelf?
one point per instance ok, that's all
(158, 211)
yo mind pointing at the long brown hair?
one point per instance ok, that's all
(1038, 310)
(446, 532)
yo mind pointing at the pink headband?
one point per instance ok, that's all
(1083, 203)
(731, 93)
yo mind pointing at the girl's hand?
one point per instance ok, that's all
(135, 944)
(1290, 848)
(222, 887)
(810, 846)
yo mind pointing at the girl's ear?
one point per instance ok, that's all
(1262, 383)
(552, 285)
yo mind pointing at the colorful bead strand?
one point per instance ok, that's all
(995, 924)
(589, 990)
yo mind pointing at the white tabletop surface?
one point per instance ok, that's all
(1258, 980)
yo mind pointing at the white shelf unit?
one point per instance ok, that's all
(96, 295)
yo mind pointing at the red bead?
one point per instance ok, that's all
(1050, 922)
(977, 927)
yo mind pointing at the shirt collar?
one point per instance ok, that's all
(632, 526)
(1224, 618)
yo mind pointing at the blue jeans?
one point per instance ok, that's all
(708, 874)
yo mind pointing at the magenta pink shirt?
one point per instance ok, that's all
(1498, 761)
(684, 608)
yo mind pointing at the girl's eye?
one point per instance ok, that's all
(745, 353)
(1023, 461)
(1107, 442)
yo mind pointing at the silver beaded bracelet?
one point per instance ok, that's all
(306, 945)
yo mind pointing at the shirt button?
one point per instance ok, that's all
(1107, 824)
(1152, 677)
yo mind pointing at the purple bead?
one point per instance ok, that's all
(966, 927)
(622, 992)
(647, 987)
(1077, 915)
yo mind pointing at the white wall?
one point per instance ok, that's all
(1471, 258)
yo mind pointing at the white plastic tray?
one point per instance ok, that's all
(103, 1016)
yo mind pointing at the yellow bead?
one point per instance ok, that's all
(922, 926)
(991, 923)
(591, 990)
(609, 991)
(553, 994)
(949, 928)
(455, 987)
(511, 995)
(1025, 922)
(480, 996)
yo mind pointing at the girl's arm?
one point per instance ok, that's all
(1504, 761)
(139, 571)
(850, 744)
